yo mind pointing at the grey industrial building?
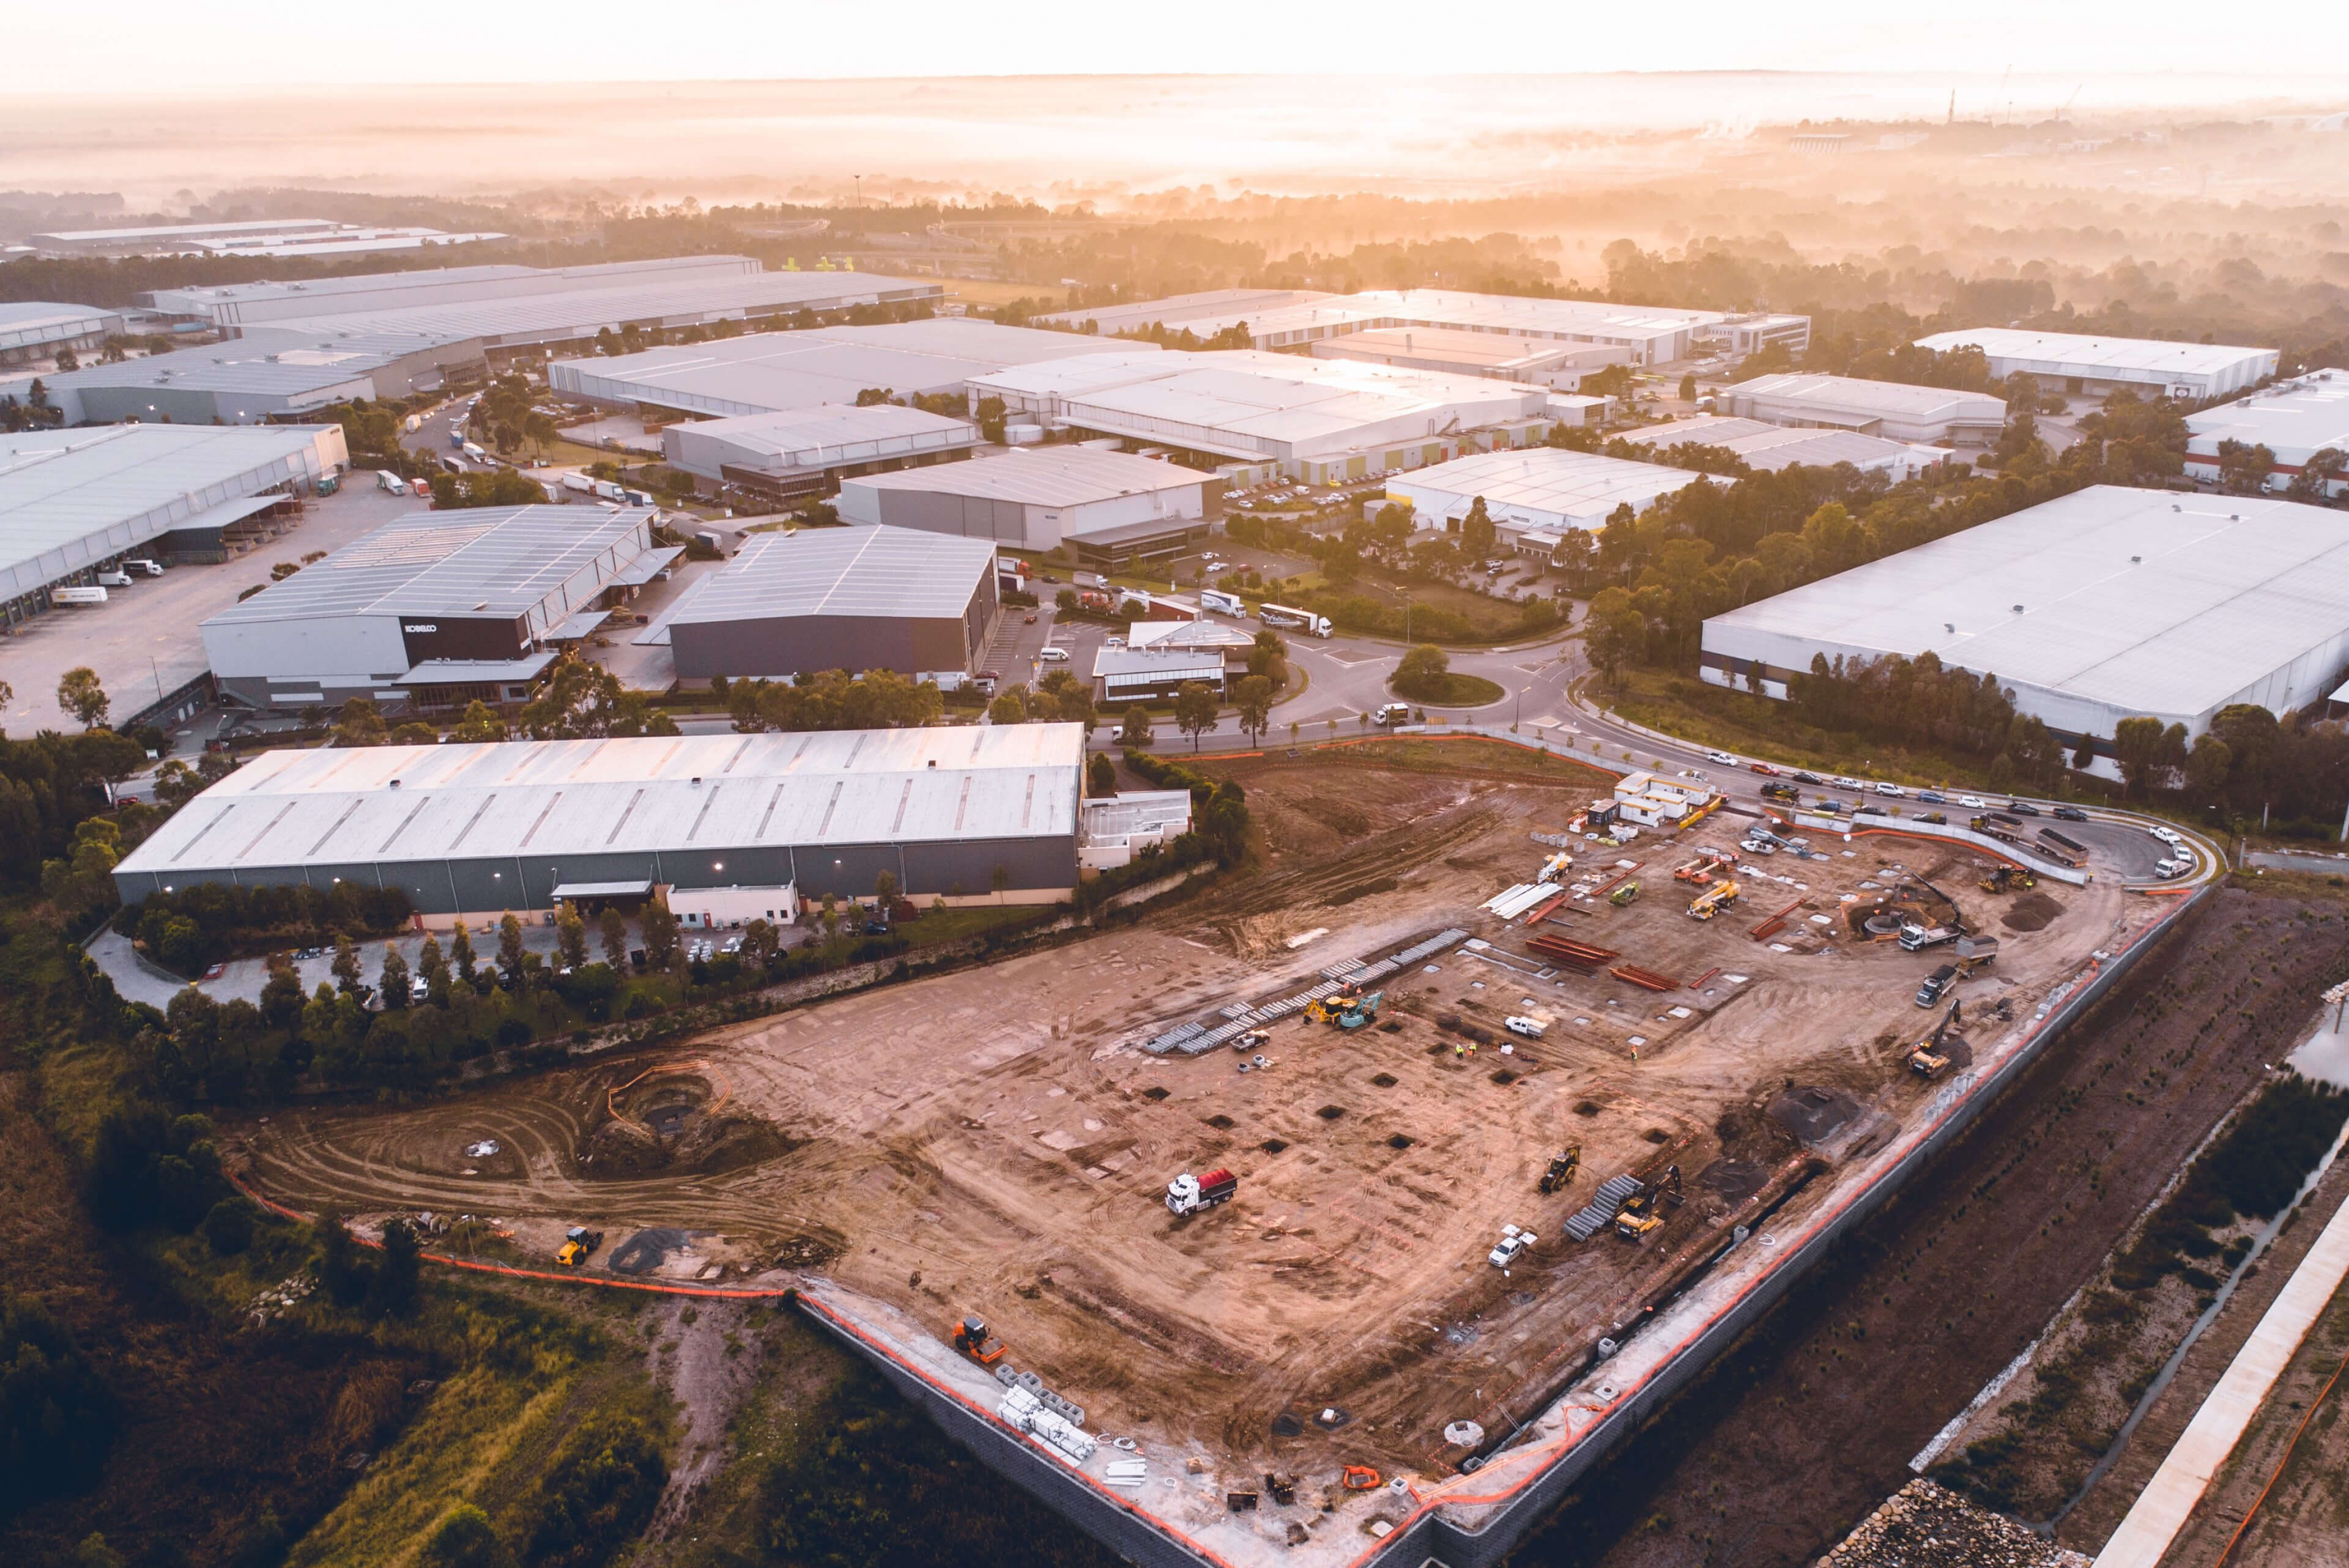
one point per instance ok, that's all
(2104, 604)
(1111, 509)
(472, 831)
(836, 598)
(802, 452)
(36, 329)
(271, 374)
(1893, 410)
(768, 373)
(72, 502)
(2081, 364)
(234, 307)
(435, 609)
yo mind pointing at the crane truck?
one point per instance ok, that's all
(1712, 900)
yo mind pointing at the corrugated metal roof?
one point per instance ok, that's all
(2146, 601)
(548, 800)
(829, 435)
(857, 571)
(493, 561)
(421, 283)
(2293, 420)
(29, 322)
(2083, 354)
(1847, 395)
(1775, 447)
(69, 497)
(769, 372)
(1040, 476)
(1538, 484)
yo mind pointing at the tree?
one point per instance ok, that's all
(1010, 708)
(2141, 746)
(1477, 531)
(1420, 673)
(465, 1538)
(479, 724)
(361, 724)
(1100, 775)
(2313, 483)
(2244, 468)
(2206, 770)
(346, 965)
(885, 889)
(1196, 710)
(395, 1276)
(616, 938)
(79, 695)
(1136, 730)
(395, 978)
(1252, 697)
(1688, 388)
(1613, 633)
(571, 937)
(510, 950)
(759, 944)
(461, 952)
(660, 938)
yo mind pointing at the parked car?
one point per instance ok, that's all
(1513, 1245)
(1054, 656)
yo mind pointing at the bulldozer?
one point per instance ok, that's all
(1640, 1213)
(1928, 1060)
(1561, 1170)
(1712, 900)
(2009, 878)
(970, 1337)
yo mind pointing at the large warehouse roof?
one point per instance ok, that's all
(1539, 485)
(683, 795)
(835, 435)
(2078, 354)
(1850, 399)
(2136, 601)
(898, 572)
(35, 323)
(2294, 419)
(1177, 312)
(228, 304)
(489, 561)
(1250, 404)
(1303, 316)
(767, 372)
(1042, 476)
(1772, 447)
(72, 497)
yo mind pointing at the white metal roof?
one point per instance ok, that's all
(1041, 476)
(1178, 311)
(1850, 396)
(831, 436)
(2294, 419)
(1491, 353)
(2078, 354)
(553, 799)
(1586, 320)
(491, 561)
(71, 496)
(1536, 485)
(2147, 601)
(861, 570)
(773, 371)
(31, 323)
(1775, 447)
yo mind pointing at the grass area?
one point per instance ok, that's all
(1452, 688)
(937, 926)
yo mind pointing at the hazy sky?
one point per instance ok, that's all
(169, 44)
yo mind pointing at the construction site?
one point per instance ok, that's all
(1372, 1192)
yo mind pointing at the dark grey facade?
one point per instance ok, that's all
(786, 645)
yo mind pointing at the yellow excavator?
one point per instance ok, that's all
(1713, 899)
(1640, 1215)
(1930, 1059)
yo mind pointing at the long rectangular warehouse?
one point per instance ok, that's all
(771, 372)
(1037, 498)
(1892, 410)
(272, 373)
(2294, 420)
(1532, 496)
(1772, 447)
(438, 608)
(848, 599)
(2104, 604)
(74, 501)
(2083, 365)
(36, 329)
(474, 831)
(230, 306)
(805, 451)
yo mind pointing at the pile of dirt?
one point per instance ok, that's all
(680, 1140)
(1925, 1526)
(1814, 1115)
(2032, 911)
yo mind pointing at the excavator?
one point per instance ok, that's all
(1360, 1011)
(1638, 1215)
(1712, 900)
(1928, 1060)
(970, 1337)
(1325, 1009)
(1561, 1170)
(2009, 878)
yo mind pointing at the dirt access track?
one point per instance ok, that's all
(995, 1142)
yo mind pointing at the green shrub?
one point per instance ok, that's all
(56, 1417)
(597, 1493)
(228, 1226)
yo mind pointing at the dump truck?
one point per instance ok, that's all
(971, 1337)
(1713, 901)
(1189, 1194)
(1642, 1212)
(1931, 1059)
(1622, 896)
(1561, 1170)
(1976, 953)
(1935, 984)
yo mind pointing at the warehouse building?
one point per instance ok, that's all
(1532, 496)
(804, 452)
(1111, 509)
(727, 825)
(1767, 448)
(37, 329)
(232, 308)
(435, 609)
(780, 371)
(2104, 604)
(1251, 413)
(1545, 362)
(2294, 419)
(836, 599)
(272, 237)
(1925, 415)
(2081, 366)
(75, 502)
(1182, 312)
(272, 374)
(1647, 335)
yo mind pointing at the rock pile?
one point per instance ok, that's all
(1926, 1526)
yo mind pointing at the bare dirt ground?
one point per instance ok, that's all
(1809, 1422)
(991, 1142)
